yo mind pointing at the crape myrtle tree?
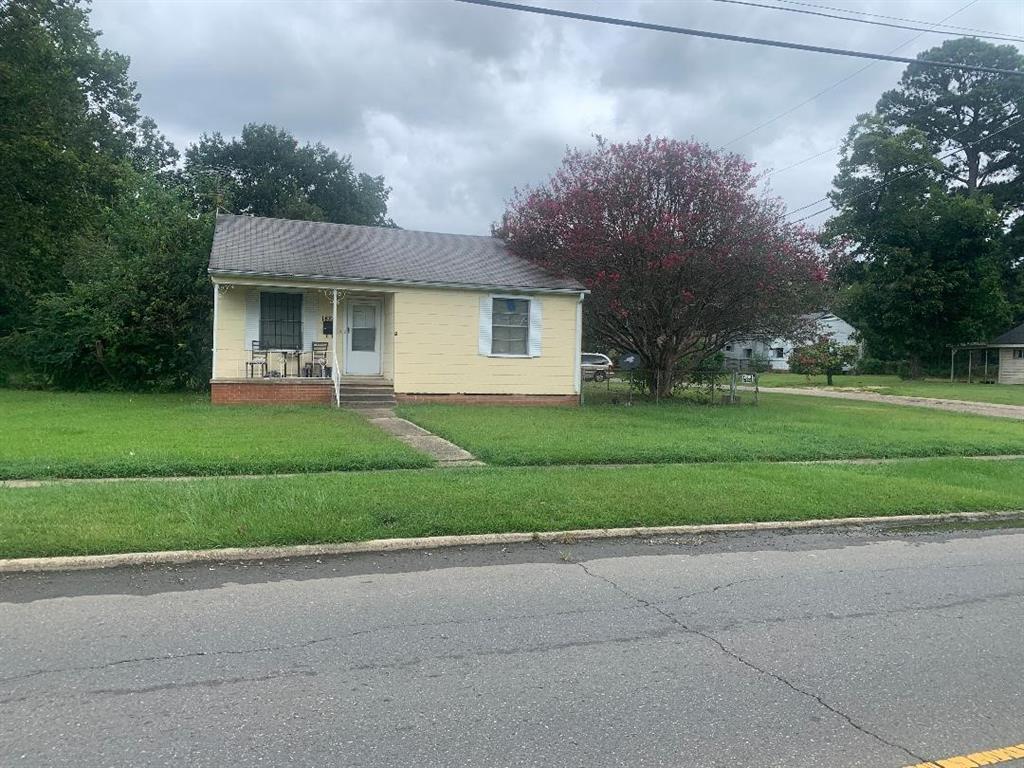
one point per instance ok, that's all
(679, 251)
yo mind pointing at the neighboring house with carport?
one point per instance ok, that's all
(317, 312)
(777, 351)
(1011, 355)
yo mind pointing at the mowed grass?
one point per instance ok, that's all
(782, 427)
(51, 434)
(1005, 394)
(139, 515)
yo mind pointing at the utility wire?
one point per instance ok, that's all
(837, 83)
(768, 6)
(801, 162)
(837, 146)
(736, 38)
(951, 27)
(903, 175)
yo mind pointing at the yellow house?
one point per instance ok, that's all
(315, 312)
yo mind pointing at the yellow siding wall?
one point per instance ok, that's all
(229, 333)
(1011, 371)
(437, 349)
(429, 341)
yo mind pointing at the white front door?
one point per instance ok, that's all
(362, 337)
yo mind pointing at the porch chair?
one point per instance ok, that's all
(257, 361)
(318, 360)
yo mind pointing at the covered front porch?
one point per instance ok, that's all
(288, 342)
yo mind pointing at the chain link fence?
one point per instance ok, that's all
(728, 384)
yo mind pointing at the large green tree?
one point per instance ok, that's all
(266, 172)
(68, 118)
(136, 310)
(929, 188)
(924, 267)
(974, 117)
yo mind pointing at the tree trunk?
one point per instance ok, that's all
(828, 377)
(660, 376)
(915, 367)
(973, 170)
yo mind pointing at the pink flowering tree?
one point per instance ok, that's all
(679, 251)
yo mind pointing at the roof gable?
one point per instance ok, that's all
(319, 250)
(1013, 336)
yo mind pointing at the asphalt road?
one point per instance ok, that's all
(862, 648)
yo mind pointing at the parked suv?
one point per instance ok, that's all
(596, 367)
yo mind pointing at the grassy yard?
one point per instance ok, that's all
(1006, 394)
(782, 427)
(49, 434)
(93, 518)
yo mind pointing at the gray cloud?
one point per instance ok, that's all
(457, 105)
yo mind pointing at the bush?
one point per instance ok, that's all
(872, 366)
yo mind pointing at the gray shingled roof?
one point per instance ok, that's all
(1014, 336)
(313, 249)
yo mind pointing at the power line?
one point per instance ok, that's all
(735, 38)
(837, 146)
(891, 25)
(801, 162)
(950, 27)
(911, 172)
(837, 83)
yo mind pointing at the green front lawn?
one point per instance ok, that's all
(1006, 394)
(51, 434)
(132, 516)
(782, 427)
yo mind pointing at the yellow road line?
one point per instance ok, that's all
(988, 757)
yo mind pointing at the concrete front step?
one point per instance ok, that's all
(365, 381)
(364, 392)
(376, 391)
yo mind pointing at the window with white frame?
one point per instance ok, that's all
(1018, 354)
(779, 352)
(510, 326)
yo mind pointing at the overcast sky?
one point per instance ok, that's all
(456, 105)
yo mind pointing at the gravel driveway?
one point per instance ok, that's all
(958, 406)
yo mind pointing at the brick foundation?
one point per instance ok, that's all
(469, 399)
(271, 391)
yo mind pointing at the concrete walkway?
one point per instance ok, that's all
(957, 406)
(447, 454)
(472, 461)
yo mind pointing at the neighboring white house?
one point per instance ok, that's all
(777, 351)
(1011, 355)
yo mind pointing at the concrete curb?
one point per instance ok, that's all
(88, 562)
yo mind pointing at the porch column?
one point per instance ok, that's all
(216, 307)
(335, 373)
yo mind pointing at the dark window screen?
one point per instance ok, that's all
(281, 321)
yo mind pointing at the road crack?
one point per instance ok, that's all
(293, 646)
(749, 664)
